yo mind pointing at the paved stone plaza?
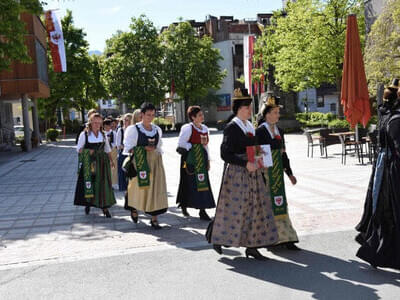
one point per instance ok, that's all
(38, 221)
(43, 235)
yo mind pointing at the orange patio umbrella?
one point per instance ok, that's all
(354, 95)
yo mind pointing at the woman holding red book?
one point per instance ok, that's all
(244, 213)
(269, 133)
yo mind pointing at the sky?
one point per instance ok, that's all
(100, 19)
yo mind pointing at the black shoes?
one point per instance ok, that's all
(106, 213)
(292, 246)
(155, 224)
(184, 211)
(217, 248)
(134, 215)
(253, 252)
(87, 210)
(203, 215)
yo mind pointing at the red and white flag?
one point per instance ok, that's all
(56, 41)
(248, 51)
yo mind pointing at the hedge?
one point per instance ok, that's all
(52, 134)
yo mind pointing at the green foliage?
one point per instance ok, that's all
(162, 121)
(72, 126)
(81, 85)
(314, 119)
(191, 62)
(264, 51)
(373, 120)
(133, 66)
(339, 124)
(308, 42)
(382, 52)
(12, 30)
(52, 134)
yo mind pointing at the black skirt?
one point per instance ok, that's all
(189, 196)
(380, 228)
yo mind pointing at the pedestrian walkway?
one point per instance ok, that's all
(39, 223)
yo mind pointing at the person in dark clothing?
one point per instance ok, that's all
(379, 228)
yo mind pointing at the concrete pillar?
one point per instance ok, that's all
(25, 118)
(35, 119)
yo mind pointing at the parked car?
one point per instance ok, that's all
(19, 131)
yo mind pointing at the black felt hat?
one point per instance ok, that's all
(273, 101)
(395, 84)
(241, 94)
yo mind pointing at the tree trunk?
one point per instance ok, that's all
(83, 115)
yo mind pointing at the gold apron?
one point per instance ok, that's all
(153, 197)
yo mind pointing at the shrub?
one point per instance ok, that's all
(162, 121)
(314, 119)
(339, 124)
(373, 120)
(52, 134)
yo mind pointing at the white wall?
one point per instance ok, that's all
(311, 95)
(226, 51)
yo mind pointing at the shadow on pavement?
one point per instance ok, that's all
(325, 276)
(342, 269)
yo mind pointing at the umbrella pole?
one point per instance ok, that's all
(357, 138)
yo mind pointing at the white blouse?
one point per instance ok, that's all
(186, 133)
(268, 127)
(120, 142)
(131, 137)
(92, 139)
(245, 126)
(113, 144)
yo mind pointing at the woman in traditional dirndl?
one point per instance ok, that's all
(269, 133)
(194, 189)
(122, 180)
(244, 215)
(108, 125)
(94, 187)
(147, 191)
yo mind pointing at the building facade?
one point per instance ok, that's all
(25, 83)
(228, 34)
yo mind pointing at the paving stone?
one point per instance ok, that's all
(328, 196)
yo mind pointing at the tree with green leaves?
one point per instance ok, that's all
(133, 68)
(80, 86)
(191, 63)
(309, 39)
(264, 51)
(382, 53)
(12, 30)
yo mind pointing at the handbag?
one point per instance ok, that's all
(129, 168)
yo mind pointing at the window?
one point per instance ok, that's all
(333, 107)
(320, 101)
(41, 58)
